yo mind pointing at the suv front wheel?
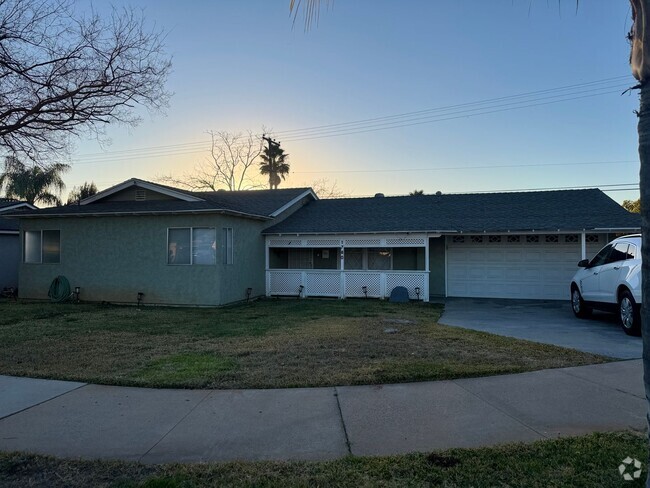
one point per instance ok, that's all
(628, 314)
(578, 304)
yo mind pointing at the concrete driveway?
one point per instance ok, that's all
(546, 321)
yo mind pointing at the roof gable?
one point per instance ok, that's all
(124, 191)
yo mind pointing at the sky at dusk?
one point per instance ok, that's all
(243, 65)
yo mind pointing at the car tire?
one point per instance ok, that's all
(629, 315)
(580, 309)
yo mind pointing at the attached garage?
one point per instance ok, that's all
(534, 266)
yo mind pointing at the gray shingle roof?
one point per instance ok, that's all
(260, 203)
(481, 212)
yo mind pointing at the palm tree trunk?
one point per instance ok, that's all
(644, 189)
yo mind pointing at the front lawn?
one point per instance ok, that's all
(265, 344)
(589, 461)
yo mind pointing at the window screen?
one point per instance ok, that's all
(204, 246)
(379, 258)
(179, 246)
(353, 258)
(51, 241)
(32, 251)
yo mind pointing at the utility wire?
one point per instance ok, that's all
(381, 123)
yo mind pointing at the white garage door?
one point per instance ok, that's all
(515, 266)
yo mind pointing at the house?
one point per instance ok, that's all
(499, 245)
(213, 248)
(10, 242)
(173, 246)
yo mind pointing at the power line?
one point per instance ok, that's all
(372, 124)
(290, 132)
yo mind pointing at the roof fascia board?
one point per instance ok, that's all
(468, 232)
(141, 184)
(290, 204)
(145, 212)
(18, 205)
(9, 232)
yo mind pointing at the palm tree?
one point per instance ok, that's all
(33, 185)
(84, 191)
(274, 164)
(416, 193)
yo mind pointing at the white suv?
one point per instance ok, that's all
(611, 281)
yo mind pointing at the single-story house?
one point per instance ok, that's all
(10, 242)
(213, 248)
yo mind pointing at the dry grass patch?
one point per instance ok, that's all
(267, 344)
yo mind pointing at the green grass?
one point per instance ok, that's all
(265, 344)
(589, 461)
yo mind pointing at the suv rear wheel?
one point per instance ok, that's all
(628, 314)
(578, 304)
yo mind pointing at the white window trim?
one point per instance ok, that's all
(41, 232)
(228, 251)
(191, 263)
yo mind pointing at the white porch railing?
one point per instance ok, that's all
(342, 284)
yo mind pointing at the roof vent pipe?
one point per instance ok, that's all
(379, 195)
(438, 193)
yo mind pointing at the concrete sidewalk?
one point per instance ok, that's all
(154, 426)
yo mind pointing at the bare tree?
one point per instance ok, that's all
(63, 74)
(227, 167)
(326, 189)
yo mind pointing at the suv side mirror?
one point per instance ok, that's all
(583, 263)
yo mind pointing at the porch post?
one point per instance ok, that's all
(267, 271)
(342, 272)
(425, 290)
(583, 245)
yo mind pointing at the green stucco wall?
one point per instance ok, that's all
(437, 266)
(114, 258)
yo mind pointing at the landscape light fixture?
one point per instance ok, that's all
(365, 291)
(300, 289)
(249, 291)
(140, 296)
(77, 290)
(417, 291)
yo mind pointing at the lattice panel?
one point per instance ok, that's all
(324, 242)
(571, 238)
(285, 242)
(285, 282)
(323, 284)
(354, 283)
(362, 242)
(405, 241)
(408, 280)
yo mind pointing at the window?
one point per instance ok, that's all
(601, 257)
(191, 246)
(532, 238)
(353, 258)
(380, 258)
(42, 246)
(552, 238)
(631, 252)
(592, 238)
(228, 257)
(477, 239)
(458, 239)
(619, 253)
(493, 239)
(513, 239)
(571, 238)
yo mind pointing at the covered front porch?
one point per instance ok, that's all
(345, 266)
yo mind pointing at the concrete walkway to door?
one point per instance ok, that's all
(546, 321)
